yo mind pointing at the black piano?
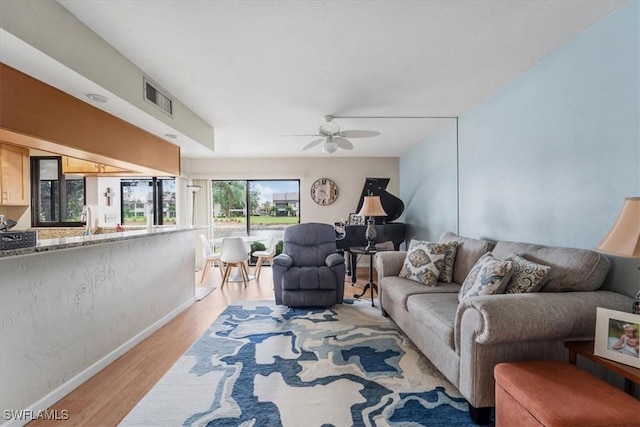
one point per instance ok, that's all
(386, 229)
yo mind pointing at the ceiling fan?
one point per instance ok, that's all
(332, 138)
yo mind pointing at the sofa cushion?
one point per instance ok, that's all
(308, 278)
(467, 253)
(436, 312)
(488, 277)
(424, 261)
(527, 276)
(571, 269)
(399, 289)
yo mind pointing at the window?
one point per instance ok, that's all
(251, 206)
(141, 195)
(57, 198)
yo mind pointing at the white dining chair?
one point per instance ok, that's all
(234, 254)
(210, 257)
(242, 234)
(266, 255)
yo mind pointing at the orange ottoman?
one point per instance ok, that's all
(558, 394)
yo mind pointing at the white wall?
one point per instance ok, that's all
(108, 215)
(348, 173)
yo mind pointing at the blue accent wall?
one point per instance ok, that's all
(428, 185)
(550, 157)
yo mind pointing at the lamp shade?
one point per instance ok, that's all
(372, 207)
(624, 237)
(193, 188)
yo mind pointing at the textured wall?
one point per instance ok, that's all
(550, 157)
(62, 311)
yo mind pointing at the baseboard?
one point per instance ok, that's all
(73, 383)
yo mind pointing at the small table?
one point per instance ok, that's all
(585, 348)
(371, 285)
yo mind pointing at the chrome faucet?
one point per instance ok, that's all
(87, 218)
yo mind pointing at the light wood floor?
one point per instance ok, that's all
(107, 397)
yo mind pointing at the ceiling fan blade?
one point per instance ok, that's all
(343, 143)
(312, 144)
(303, 135)
(358, 133)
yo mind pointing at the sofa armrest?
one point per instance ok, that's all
(333, 260)
(536, 316)
(389, 263)
(283, 260)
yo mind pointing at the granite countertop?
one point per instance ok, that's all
(46, 245)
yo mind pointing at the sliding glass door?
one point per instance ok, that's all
(229, 208)
(275, 205)
(254, 206)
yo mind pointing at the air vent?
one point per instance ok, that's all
(157, 97)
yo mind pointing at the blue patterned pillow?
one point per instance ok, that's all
(527, 275)
(424, 261)
(446, 272)
(488, 276)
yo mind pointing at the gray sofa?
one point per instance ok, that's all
(466, 340)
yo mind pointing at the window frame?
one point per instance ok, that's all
(61, 199)
(248, 182)
(157, 190)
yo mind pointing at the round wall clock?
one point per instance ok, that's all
(324, 191)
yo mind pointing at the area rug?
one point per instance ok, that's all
(265, 365)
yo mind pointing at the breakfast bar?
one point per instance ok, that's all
(71, 306)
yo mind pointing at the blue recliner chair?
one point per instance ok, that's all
(309, 272)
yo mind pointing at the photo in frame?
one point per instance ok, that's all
(617, 336)
(355, 219)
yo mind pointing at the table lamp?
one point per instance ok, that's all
(624, 237)
(371, 207)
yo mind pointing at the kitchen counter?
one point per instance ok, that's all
(46, 245)
(71, 306)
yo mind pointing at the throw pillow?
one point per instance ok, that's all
(446, 273)
(527, 275)
(488, 276)
(423, 262)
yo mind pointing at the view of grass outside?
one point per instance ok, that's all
(272, 205)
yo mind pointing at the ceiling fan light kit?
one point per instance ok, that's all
(329, 147)
(332, 138)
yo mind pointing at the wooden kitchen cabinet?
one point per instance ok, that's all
(14, 175)
(71, 165)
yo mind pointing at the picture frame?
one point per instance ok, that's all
(355, 219)
(617, 336)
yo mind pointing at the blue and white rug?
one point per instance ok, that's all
(265, 365)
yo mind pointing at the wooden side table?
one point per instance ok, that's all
(585, 349)
(371, 285)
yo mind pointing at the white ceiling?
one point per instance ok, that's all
(256, 70)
